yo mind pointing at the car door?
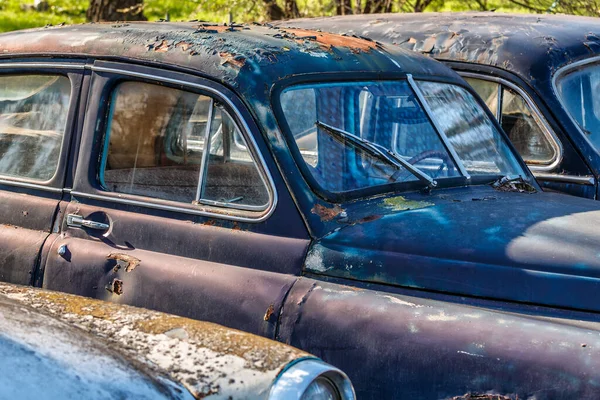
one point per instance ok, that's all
(551, 157)
(38, 102)
(176, 204)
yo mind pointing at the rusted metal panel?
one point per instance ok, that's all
(519, 43)
(26, 222)
(225, 294)
(233, 53)
(207, 359)
(439, 349)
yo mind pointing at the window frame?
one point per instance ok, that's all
(106, 77)
(547, 131)
(73, 71)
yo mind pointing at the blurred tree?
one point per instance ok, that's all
(116, 10)
(589, 8)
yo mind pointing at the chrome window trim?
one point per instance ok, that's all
(578, 180)
(20, 181)
(537, 115)
(76, 66)
(564, 70)
(30, 185)
(245, 130)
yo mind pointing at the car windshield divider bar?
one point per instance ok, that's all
(206, 153)
(379, 152)
(438, 127)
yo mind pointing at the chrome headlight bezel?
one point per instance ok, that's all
(295, 379)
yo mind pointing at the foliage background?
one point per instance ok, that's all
(20, 14)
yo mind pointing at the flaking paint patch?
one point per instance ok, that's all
(400, 203)
(314, 261)
(402, 302)
(442, 317)
(470, 354)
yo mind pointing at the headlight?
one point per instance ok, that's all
(312, 379)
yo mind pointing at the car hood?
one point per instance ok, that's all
(542, 248)
(77, 345)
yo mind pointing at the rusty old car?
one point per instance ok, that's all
(61, 346)
(354, 200)
(537, 73)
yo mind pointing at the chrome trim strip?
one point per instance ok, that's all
(206, 153)
(245, 130)
(438, 127)
(41, 65)
(166, 207)
(537, 115)
(30, 185)
(579, 180)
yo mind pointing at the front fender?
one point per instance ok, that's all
(397, 346)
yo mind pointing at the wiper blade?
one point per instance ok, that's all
(379, 152)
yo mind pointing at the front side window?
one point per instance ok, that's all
(518, 120)
(579, 93)
(356, 135)
(175, 145)
(33, 119)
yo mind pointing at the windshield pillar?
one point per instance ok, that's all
(438, 127)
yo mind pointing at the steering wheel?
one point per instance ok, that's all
(446, 160)
(429, 154)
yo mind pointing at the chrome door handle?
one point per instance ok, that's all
(77, 221)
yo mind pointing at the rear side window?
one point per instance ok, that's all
(518, 121)
(33, 118)
(175, 145)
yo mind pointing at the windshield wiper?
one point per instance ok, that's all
(378, 151)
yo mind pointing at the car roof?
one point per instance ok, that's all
(533, 46)
(233, 54)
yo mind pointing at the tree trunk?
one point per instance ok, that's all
(115, 10)
(291, 9)
(274, 12)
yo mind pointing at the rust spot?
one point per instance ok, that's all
(428, 44)
(232, 59)
(327, 214)
(116, 287)
(329, 40)
(162, 47)
(368, 219)
(236, 227)
(210, 28)
(184, 46)
(210, 222)
(269, 312)
(124, 261)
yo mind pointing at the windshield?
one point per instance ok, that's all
(355, 135)
(579, 92)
